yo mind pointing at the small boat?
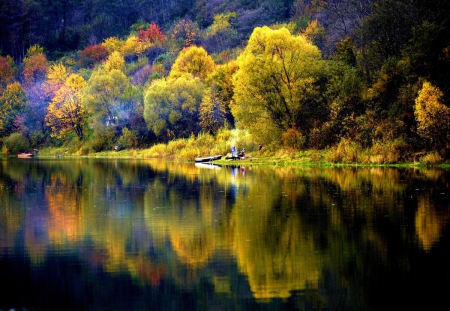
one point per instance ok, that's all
(25, 155)
(208, 159)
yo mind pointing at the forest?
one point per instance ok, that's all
(363, 81)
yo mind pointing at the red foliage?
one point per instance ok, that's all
(153, 35)
(93, 55)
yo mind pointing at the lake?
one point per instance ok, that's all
(138, 234)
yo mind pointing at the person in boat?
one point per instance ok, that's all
(234, 152)
(242, 153)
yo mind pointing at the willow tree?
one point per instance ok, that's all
(103, 97)
(171, 107)
(194, 60)
(278, 83)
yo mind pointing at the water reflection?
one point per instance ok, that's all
(183, 236)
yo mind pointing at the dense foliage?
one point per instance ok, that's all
(343, 75)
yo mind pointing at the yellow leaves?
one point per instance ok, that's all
(432, 115)
(114, 61)
(76, 82)
(314, 31)
(113, 44)
(194, 60)
(35, 50)
(276, 75)
(12, 103)
(65, 112)
(57, 74)
(130, 46)
(221, 22)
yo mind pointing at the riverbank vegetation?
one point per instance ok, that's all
(328, 82)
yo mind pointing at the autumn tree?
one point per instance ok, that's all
(66, 113)
(152, 35)
(194, 60)
(35, 65)
(56, 76)
(114, 61)
(171, 106)
(433, 117)
(278, 83)
(185, 33)
(93, 55)
(104, 98)
(12, 105)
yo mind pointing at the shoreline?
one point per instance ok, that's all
(269, 160)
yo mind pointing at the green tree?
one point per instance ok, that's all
(12, 104)
(103, 98)
(278, 82)
(433, 117)
(172, 106)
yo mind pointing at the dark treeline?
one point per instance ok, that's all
(63, 25)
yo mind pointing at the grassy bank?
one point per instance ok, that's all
(279, 158)
(346, 153)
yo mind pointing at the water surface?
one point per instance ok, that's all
(91, 234)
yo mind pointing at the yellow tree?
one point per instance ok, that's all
(114, 61)
(56, 76)
(278, 83)
(194, 60)
(66, 113)
(433, 117)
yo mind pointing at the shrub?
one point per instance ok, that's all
(293, 139)
(432, 158)
(388, 152)
(128, 139)
(16, 143)
(189, 153)
(175, 147)
(102, 140)
(346, 151)
(158, 150)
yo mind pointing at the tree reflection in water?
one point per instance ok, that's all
(248, 237)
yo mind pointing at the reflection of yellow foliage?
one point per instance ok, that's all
(429, 224)
(272, 249)
(195, 248)
(64, 208)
